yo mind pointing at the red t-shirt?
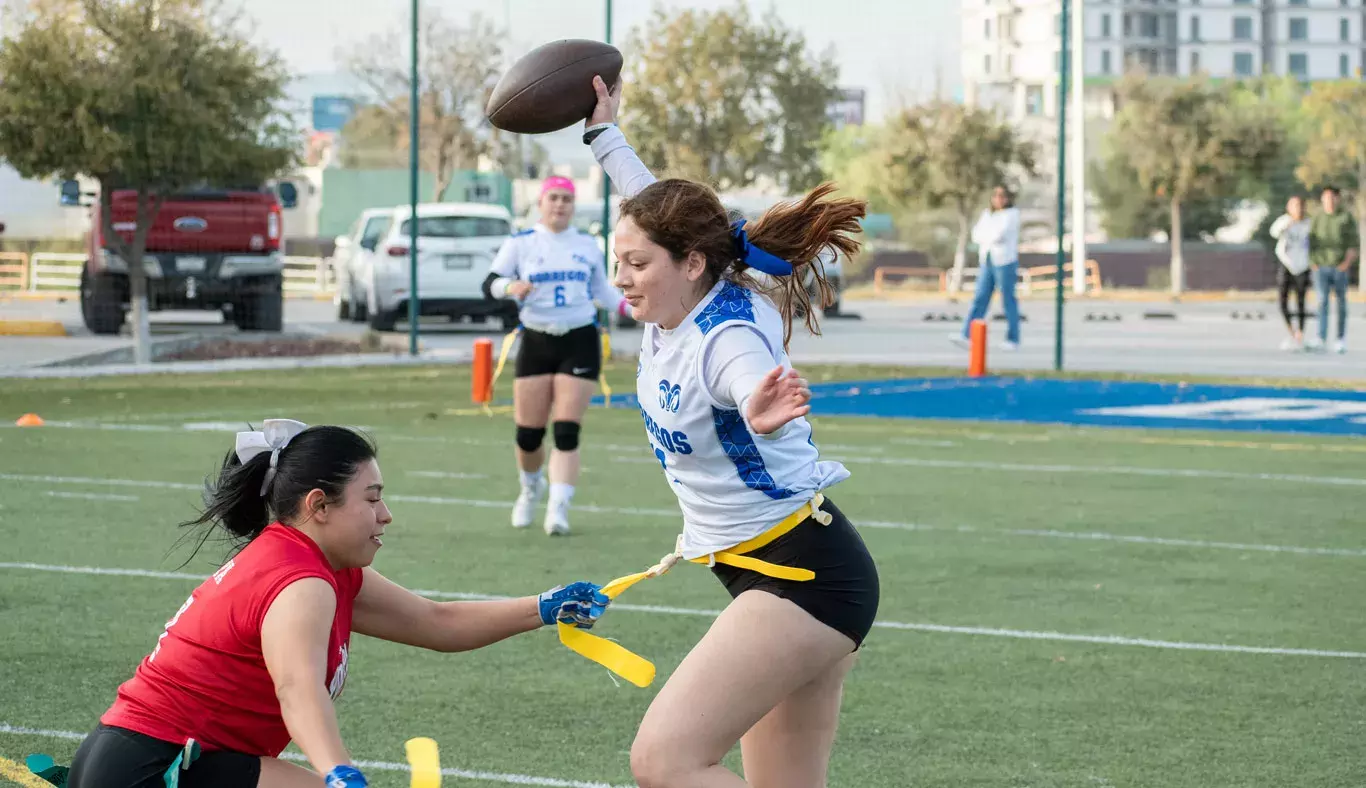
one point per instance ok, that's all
(207, 679)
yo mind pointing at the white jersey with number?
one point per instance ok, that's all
(731, 485)
(566, 274)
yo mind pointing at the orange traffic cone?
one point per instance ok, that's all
(30, 420)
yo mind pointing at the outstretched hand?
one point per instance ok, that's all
(608, 102)
(578, 604)
(779, 398)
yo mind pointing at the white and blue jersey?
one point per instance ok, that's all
(566, 274)
(731, 485)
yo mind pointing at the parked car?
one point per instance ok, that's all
(208, 248)
(352, 261)
(456, 246)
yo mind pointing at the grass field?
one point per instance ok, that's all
(1061, 607)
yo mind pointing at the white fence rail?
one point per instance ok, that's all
(49, 271)
(307, 276)
(54, 272)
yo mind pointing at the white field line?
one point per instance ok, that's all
(675, 514)
(91, 496)
(859, 459)
(374, 766)
(1107, 640)
(447, 475)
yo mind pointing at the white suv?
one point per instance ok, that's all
(455, 249)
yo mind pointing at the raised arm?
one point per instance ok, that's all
(609, 145)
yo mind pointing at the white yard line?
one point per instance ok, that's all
(858, 458)
(367, 765)
(91, 496)
(674, 513)
(1106, 640)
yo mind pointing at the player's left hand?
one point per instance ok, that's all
(609, 100)
(578, 604)
(779, 398)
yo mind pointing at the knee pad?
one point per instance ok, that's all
(566, 435)
(529, 438)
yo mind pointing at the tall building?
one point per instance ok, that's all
(1011, 48)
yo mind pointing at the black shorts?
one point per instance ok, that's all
(577, 353)
(844, 593)
(119, 758)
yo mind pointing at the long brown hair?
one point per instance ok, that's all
(683, 217)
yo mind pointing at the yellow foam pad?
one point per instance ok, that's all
(425, 761)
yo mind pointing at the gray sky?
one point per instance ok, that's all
(888, 47)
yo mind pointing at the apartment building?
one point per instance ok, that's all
(1011, 48)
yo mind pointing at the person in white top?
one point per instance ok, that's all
(725, 415)
(557, 274)
(997, 235)
(1291, 232)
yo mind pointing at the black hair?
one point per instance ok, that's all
(319, 458)
(1010, 194)
(1331, 188)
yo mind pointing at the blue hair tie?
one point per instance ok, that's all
(754, 257)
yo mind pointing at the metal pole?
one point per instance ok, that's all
(607, 186)
(1063, 68)
(414, 119)
(1078, 33)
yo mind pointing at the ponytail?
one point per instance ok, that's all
(244, 498)
(801, 232)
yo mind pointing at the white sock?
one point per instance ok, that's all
(561, 494)
(530, 479)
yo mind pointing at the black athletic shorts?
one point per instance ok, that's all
(844, 593)
(577, 353)
(119, 758)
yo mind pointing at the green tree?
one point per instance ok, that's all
(1188, 140)
(1336, 152)
(946, 156)
(722, 98)
(1130, 213)
(458, 67)
(148, 95)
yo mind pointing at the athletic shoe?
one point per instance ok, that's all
(557, 519)
(1011, 346)
(524, 510)
(1340, 347)
(959, 340)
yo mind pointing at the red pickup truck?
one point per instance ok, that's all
(207, 249)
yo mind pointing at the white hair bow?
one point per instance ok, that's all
(274, 436)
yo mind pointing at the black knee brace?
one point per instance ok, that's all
(566, 435)
(529, 438)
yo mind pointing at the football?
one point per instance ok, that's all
(551, 87)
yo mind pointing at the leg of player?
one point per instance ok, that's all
(531, 398)
(791, 745)
(762, 652)
(572, 395)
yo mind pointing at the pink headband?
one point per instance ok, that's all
(557, 182)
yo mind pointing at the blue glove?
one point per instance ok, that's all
(345, 777)
(577, 604)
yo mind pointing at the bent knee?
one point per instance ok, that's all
(657, 763)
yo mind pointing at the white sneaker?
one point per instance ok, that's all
(524, 509)
(557, 519)
(1011, 346)
(1291, 345)
(959, 340)
(1313, 344)
(1340, 347)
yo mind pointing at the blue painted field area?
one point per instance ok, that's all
(1093, 402)
(1102, 403)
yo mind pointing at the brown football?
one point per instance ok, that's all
(551, 87)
